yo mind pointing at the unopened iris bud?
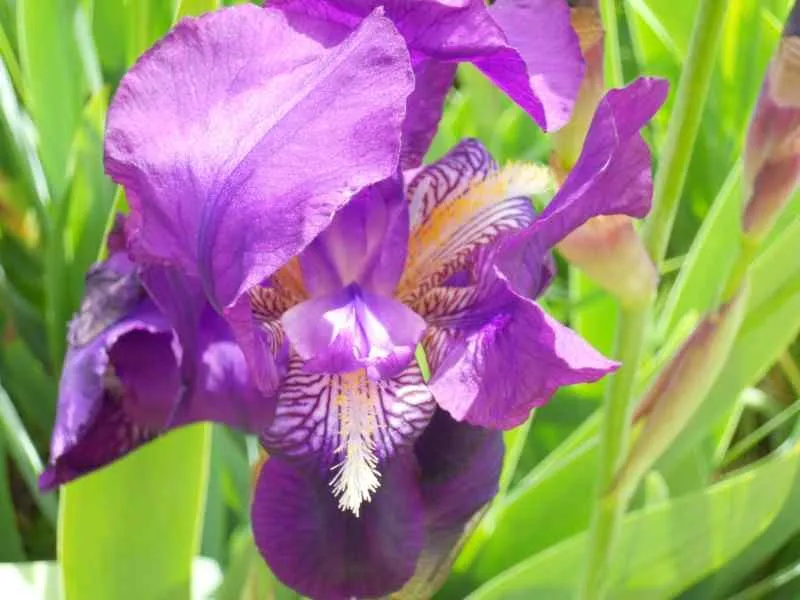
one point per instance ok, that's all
(567, 141)
(772, 155)
(679, 390)
(610, 252)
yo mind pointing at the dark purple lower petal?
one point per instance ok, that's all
(348, 425)
(324, 553)
(110, 435)
(459, 472)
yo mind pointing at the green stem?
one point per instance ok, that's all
(27, 460)
(614, 439)
(614, 75)
(633, 325)
(684, 125)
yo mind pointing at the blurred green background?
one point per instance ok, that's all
(718, 517)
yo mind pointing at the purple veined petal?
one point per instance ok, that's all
(353, 329)
(365, 243)
(348, 425)
(238, 136)
(327, 554)
(459, 473)
(496, 356)
(457, 209)
(464, 166)
(612, 176)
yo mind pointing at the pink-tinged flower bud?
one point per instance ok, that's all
(682, 386)
(609, 251)
(772, 154)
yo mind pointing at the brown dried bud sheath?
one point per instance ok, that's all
(772, 154)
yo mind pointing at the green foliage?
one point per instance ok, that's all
(716, 515)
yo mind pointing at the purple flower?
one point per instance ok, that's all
(433, 261)
(239, 135)
(526, 47)
(414, 521)
(130, 375)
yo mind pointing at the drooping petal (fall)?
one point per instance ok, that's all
(325, 553)
(495, 356)
(239, 135)
(127, 377)
(348, 423)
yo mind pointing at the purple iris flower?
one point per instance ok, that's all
(444, 261)
(526, 47)
(130, 375)
(259, 151)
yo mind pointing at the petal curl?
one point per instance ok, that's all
(127, 377)
(239, 135)
(328, 554)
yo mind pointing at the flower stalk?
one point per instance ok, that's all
(633, 326)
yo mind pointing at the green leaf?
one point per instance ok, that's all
(10, 540)
(247, 576)
(51, 68)
(664, 548)
(147, 21)
(196, 7)
(771, 323)
(130, 531)
(91, 195)
(711, 257)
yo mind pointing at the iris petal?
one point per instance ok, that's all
(236, 144)
(612, 176)
(307, 421)
(365, 243)
(484, 335)
(328, 554)
(353, 329)
(459, 205)
(526, 47)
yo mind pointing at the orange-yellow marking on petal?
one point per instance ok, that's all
(444, 221)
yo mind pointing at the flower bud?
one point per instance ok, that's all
(681, 386)
(772, 154)
(568, 141)
(609, 251)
